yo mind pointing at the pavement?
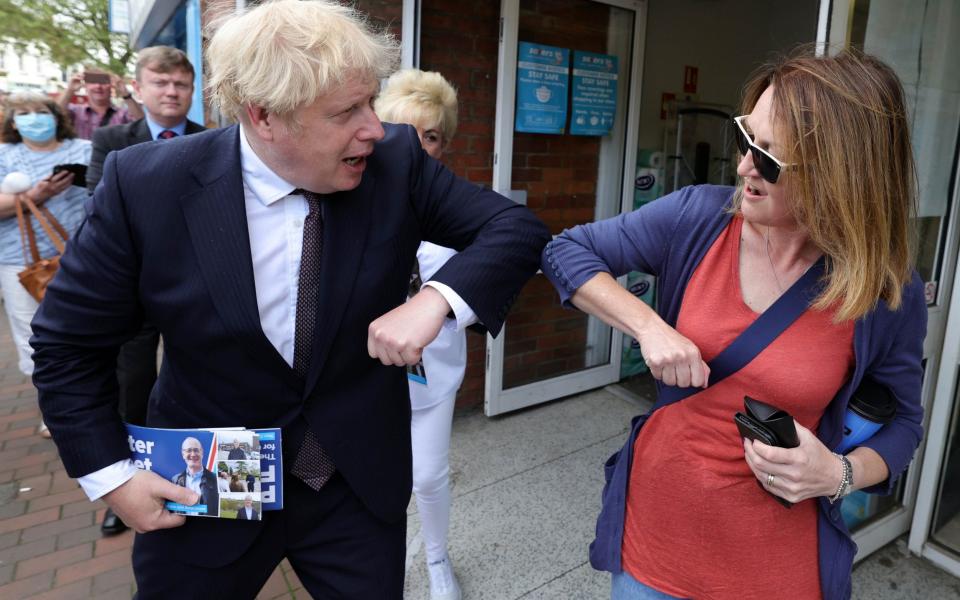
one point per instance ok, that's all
(526, 490)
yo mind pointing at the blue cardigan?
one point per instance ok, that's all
(668, 238)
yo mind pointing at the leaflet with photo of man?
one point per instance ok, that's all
(189, 458)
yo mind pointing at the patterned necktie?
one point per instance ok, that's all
(166, 134)
(313, 466)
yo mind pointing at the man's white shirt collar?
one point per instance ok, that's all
(265, 185)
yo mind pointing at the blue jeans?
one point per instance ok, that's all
(625, 587)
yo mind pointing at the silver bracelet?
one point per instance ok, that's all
(845, 481)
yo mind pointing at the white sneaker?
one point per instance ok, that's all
(443, 583)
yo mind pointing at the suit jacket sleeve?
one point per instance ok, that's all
(101, 147)
(498, 241)
(90, 309)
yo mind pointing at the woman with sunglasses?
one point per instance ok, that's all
(826, 171)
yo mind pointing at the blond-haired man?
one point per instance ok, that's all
(274, 258)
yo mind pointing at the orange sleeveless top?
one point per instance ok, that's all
(697, 524)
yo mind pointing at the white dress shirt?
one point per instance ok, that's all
(445, 358)
(275, 224)
(193, 481)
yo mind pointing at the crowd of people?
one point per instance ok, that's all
(299, 262)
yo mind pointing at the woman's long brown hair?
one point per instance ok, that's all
(854, 188)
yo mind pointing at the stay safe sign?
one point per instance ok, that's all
(543, 75)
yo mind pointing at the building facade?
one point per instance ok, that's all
(28, 69)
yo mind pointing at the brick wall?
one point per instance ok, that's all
(559, 172)
(382, 13)
(460, 40)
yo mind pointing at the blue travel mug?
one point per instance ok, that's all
(871, 407)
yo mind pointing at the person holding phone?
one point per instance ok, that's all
(99, 111)
(826, 171)
(37, 136)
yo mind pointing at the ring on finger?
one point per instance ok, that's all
(770, 479)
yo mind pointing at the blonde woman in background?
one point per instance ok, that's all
(428, 102)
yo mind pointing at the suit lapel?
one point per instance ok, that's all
(217, 220)
(193, 128)
(139, 132)
(346, 223)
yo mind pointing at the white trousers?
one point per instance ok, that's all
(430, 436)
(20, 307)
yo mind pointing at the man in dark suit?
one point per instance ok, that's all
(274, 258)
(247, 512)
(236, 453)
(197, 477)
(164, 83)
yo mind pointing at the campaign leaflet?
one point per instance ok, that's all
(271, 468)
(222, 465)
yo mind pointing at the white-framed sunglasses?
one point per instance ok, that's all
(767, 164)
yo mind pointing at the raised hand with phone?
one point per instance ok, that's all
(99, 109)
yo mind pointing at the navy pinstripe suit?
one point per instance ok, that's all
(167, 241)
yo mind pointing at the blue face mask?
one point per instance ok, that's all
(36, 127)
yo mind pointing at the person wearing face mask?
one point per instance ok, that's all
(428, 102)
(36, 136)
(820, 218)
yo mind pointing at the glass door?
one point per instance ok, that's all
(935, 531)
(568, 169)
(923, 47)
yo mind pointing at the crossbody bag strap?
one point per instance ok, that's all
(52, 231)
(752, 340)
(26, 232)
(55, 223)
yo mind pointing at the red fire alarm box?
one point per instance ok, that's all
(665, 99)
(689, 80)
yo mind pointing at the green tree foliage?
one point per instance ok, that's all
(67, 31)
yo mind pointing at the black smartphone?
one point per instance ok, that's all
(751, 431)
(96, 78)
(79, 173)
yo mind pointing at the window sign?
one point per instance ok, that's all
(542, 79)
(594, 93)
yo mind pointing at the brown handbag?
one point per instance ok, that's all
(39, 271)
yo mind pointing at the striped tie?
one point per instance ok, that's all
(166, 134)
